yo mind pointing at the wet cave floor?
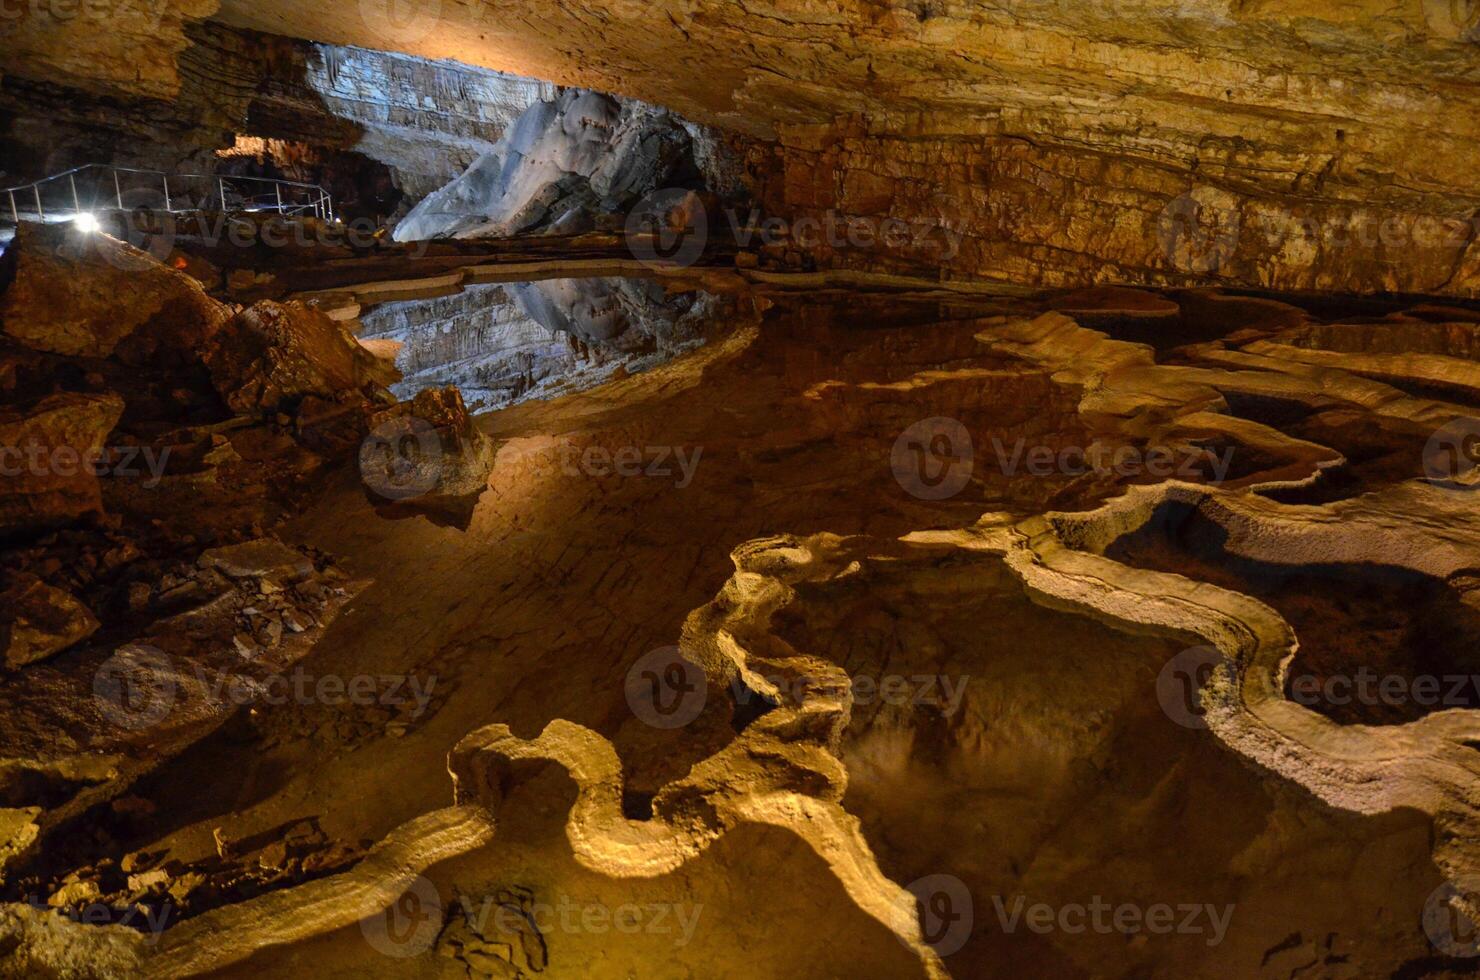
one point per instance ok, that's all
(997, 738)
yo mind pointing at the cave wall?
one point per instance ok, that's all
(423, 120)
(1059, 128)
(1003, 206)
(1070, 125)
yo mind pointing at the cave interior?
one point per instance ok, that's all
(586, 489)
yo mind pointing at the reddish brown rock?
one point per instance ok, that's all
(47, 457)
(270, 356)
(262, 558)
(429, 454)
(38, 620)
(1029, 212)
(94, 296)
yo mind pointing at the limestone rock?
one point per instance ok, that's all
(18, 830)
(271, 355)
(1051, 137)
(38, 620)
(265, 558)
(50, 448)
(428, 454)
(565, 165)
(86, 295)
(503, 344)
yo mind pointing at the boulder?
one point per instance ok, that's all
(38, 620)
(47, 456)
(89, 295)
(429, 455)
(270, 356)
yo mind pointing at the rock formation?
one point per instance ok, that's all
(147, 444)
(53, 448)
(1042, 608)
(423, 121)
(579, 161)
(501, 344)
(899, 489)
(1267, 145)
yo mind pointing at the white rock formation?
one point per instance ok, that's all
(562, 166)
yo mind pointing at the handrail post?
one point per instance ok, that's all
(76, 201)
(277, 188)
(40, 211)
(166, 179)
(117, 190)
(14, 211)
(221, 189)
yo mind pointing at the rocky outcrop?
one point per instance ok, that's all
(1005, 120)
(423, 120)
(272, 356)
(80, 295)
(80, 733)
(147, 455)
(53, 451)
(1030, 211)
(570, 164)
(426, 120)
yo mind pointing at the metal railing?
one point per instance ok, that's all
(98, 187)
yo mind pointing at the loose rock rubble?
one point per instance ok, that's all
(146, 599)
